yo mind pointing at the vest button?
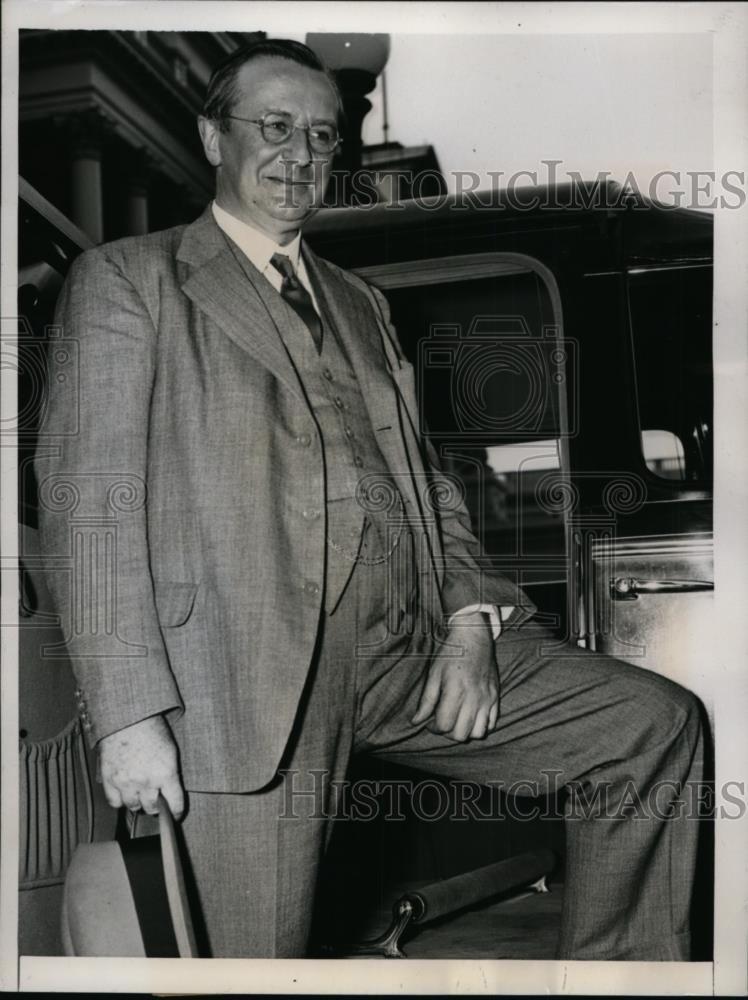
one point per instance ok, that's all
(327, 374)
(348, 431)
(304, 440)
(311, 588)
(310, 515)
(339, 402)
(357, 460)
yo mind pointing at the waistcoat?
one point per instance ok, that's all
(364, 523)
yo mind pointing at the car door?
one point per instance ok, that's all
(647, 576)
(484, 332)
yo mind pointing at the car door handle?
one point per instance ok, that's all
(628, 588)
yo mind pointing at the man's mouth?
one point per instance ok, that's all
(292, 183)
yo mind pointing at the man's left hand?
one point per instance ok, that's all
(462, 691)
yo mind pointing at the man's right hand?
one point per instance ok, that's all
(139, 762)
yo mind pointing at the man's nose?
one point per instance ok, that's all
(296, 148)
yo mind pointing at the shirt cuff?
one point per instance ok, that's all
(496, 615)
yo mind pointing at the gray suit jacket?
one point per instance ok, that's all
(195, 455)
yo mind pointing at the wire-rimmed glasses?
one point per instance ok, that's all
(323, 137)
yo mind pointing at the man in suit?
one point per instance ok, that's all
(295, 581)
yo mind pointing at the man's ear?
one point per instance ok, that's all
(209, 134)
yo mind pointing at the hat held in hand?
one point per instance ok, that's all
(128, 898)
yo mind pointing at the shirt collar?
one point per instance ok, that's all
(256, 245)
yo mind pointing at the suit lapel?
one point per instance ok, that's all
(223, 283)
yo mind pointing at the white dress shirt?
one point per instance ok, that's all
(259, 248)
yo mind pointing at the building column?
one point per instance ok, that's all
(137, 194)
(87, 205)
(86, 133)
(137, 210)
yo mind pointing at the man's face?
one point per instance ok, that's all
(274, 188)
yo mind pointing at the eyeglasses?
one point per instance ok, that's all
(277, 129)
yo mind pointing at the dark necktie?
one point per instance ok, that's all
(298, 297)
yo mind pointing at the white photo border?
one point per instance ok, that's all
(727, 23)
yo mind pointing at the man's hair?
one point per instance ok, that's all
(222, 96)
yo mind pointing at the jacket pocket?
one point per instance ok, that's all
(174, 602)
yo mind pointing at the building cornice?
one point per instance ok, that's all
(74, 73)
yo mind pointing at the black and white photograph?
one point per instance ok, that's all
(373, 512)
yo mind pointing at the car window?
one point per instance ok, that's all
(670, 312)
(663, 454)
(493, 374)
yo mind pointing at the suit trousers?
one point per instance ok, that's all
(624, 739)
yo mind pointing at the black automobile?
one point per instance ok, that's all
(562, 346)
(563, 356)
